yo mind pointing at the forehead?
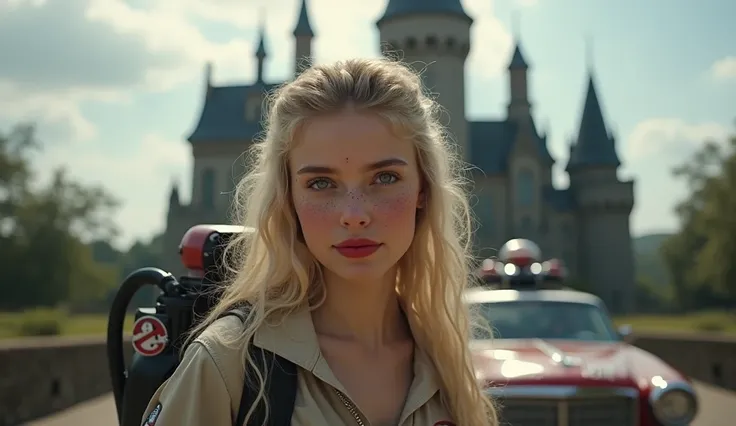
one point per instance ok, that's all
(348, 138)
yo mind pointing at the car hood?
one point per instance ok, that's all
(566, 362)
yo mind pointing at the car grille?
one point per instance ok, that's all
(600, 411)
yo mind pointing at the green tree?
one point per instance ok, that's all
(700, 257)
(42, 229)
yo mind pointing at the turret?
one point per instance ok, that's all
(519, 108)
(261, 54)
(174, 200)
(433, 36)
(603, 206)
(303, 37)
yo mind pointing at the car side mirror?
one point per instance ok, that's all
(625, 332)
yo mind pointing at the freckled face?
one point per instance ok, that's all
(353, 179)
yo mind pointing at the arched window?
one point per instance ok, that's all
(208, 188)
(525, 188)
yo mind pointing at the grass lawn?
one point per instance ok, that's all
(53, 322)
(695, 322)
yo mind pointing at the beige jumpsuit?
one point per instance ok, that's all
(206, 387)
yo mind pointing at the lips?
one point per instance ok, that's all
(357, 248)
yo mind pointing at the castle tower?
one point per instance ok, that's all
(435, 34)
(604, 204)
(529, 159)
(261, 54)
(303, 36)
(519, 108)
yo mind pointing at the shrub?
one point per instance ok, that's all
(41, 322)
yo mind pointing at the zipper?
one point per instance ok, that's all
(351, 407)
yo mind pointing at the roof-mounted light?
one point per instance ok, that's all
(520, 252)
(519, 266)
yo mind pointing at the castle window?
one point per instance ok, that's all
(525, 188)
(450, 43)
(411, 43)
(208, 188)
(431, 42)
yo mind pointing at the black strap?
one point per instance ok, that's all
(281, 385)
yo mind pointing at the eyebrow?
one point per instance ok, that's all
(374, 166)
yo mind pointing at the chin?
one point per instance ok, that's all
(359, 272)
(359, 269)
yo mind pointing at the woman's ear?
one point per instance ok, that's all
(421, 199)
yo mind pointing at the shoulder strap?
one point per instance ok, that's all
(281, 385)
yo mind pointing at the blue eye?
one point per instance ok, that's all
(386, 178)
(319, 184)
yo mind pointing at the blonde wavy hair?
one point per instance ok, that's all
(275, 273)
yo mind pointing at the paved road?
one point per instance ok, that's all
(718, 408)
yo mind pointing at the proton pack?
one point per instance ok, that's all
(159, 331)
(519, 266)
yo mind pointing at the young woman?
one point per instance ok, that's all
(357, 267)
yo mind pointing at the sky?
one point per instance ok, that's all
(116, 86)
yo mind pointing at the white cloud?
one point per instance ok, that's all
(141, 178)
(663, 136)
(724, 69)
(491, 42)
(154, 45)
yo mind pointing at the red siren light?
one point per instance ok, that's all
(199, 242)
(554, 268)
(519, 265)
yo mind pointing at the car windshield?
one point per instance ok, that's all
(546, 320)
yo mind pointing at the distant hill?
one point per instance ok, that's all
(649, 244)
(648, 260)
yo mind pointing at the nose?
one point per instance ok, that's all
(354, 212)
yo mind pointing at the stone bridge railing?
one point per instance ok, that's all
(41, 376)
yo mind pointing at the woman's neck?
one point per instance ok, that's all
(367, 313)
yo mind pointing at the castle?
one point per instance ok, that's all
(586, 224)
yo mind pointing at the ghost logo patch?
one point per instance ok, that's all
(151, 420)
(444, 423)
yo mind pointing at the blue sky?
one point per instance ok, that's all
(116, 85)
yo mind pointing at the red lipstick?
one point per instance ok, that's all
(357, 248)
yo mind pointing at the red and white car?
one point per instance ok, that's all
(556, 359)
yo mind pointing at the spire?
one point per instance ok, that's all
(174, 195)
(519, 108)
(208, 74)
(261, 50)
(589, 53)
(208, 78)
(594, 146)
(517, 60)
(303, 28)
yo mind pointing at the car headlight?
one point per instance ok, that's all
(674, 404)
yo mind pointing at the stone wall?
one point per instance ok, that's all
(42, 376)
(706, 357)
